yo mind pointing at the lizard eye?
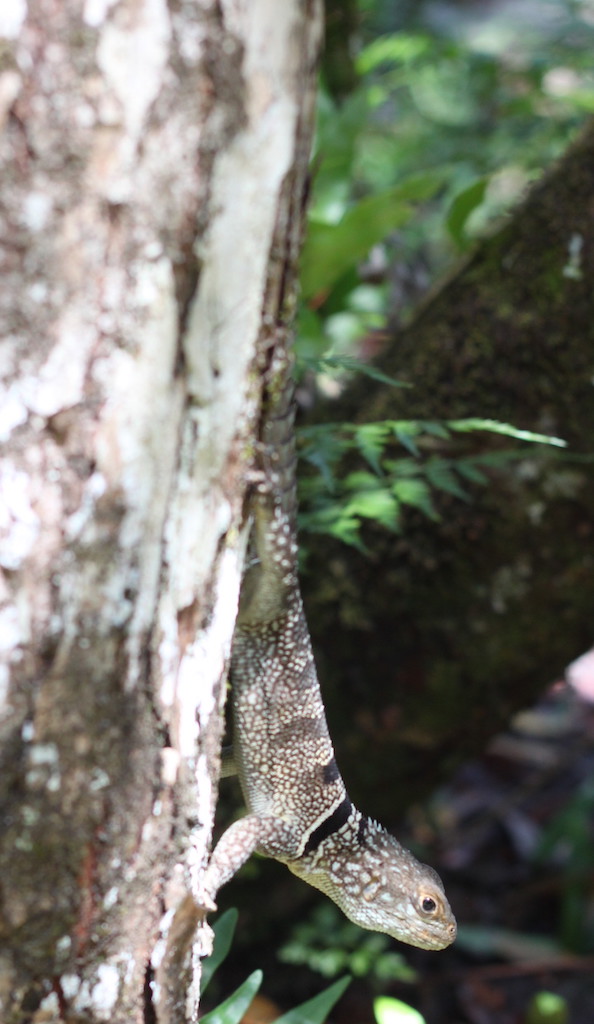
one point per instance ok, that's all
(428, 905)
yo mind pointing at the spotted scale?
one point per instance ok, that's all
(298, 809)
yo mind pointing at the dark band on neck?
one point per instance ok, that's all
(362, 829)
(331, 824)
(330, 772)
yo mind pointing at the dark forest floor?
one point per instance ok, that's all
(518, 856)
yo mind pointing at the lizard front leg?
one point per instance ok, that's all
(272, 837)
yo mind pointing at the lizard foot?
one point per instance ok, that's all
(204, 940)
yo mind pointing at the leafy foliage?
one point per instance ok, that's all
(331, 249)
(224, 929)
(446, 126)
(444, 131)
(449, 121)
(393, 1011)
(315, 1010)
(547, 1008)
(329, 944)
(232, 1009)
(338, 506)
(351, 365)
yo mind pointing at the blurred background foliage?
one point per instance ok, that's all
(434, 119)
(443, 116)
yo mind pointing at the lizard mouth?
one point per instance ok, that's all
(441, 940)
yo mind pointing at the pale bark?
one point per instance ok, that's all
(146, 151)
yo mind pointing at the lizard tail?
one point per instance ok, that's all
(279, 454)
(271, 575)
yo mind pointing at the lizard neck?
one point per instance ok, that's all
(378, 883)
(341, 834)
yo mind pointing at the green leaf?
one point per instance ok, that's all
(371, 441)
(331, 249)
(440, 475)
(315, 1010)
(495, 427)
(337, 521)
(360, 480)
(393, 1011)
(348, 530)
(404, 432)
(223, 929)
(339, 128)
(323, 465)
(406, 441)
(442, 92)
(434, 428)
(232, 1009)
(397, 49)
(461, 208)
(312, 340)
(467, 469)
(403, 468)
(323, 446)
(353, 365)
(415, 492)
(582, 99)
(380, 505)
(547, 1008)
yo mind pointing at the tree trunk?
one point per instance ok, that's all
(152, 166)
(443, 632)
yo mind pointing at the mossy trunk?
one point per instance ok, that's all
(430, 644)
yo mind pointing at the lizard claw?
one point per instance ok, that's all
(208, 903)
(204, 940)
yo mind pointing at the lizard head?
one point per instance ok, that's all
(379, 885)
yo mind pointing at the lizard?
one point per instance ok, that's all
(299, 811)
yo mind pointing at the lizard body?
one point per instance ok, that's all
(299, 811)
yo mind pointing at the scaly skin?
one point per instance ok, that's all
(298, 809)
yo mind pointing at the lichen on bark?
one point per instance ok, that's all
(144, 156)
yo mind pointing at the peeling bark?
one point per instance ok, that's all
(150, 159)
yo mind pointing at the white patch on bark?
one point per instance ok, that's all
(12, 16)
(19, 523)
(50, 1006)
(132, 59)
(60, 382)
(170, 761)
(95, 11)
(12, 412)
(246, 182)
(111, 897)
(43, 753)
(207, 657)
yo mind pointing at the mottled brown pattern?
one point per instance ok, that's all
(299, 810)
